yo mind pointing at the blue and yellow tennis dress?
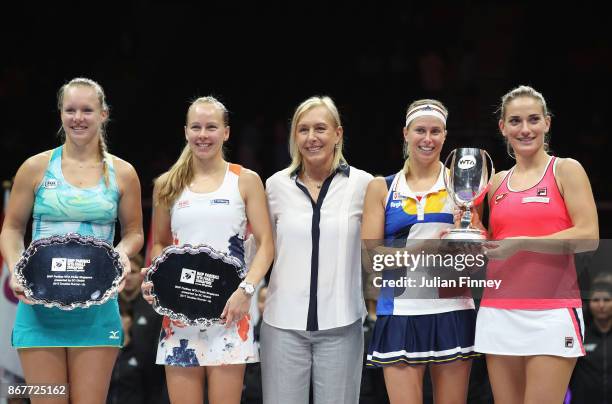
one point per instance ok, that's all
(60, 208)
(415, 325)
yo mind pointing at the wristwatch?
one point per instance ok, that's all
(248, 288)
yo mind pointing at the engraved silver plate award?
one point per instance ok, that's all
(69, 271)
(192, 284)
(467, 181)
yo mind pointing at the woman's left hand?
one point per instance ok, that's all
(236, 308)
(125, 262)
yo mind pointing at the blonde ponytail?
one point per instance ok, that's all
(170, 184)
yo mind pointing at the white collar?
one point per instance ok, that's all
(403, 189)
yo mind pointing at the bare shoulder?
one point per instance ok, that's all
(249, 179)
(33, 168)
(38, 161)
(377, 186)
(249, 175)
(127, 178)
(496, 181)
(123, 168)
(569, 173)
(378, 182)
(498, 178)
(568, 167)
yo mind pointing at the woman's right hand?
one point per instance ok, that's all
(18, 290)
(146, 287)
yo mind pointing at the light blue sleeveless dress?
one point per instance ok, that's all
(61, 208)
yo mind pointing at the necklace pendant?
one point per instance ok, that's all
(318, 186)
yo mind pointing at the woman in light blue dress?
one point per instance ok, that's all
(78, 187)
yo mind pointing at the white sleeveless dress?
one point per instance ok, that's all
(218, 219)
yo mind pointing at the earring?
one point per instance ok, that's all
(509, 150)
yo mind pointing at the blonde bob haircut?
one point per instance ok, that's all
(310, 103)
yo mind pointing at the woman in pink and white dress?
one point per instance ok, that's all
(531, 328)
(205, 199)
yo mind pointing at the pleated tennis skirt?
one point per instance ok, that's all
(422, 339)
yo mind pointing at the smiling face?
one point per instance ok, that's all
(425, 137)
(316, 136)
(524, 125)
(81, 114)
(206, 130)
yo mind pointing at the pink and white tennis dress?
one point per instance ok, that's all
(537, 310)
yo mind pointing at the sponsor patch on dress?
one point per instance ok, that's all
(569, 342)
(536, 199)
(183, 204)
(219, 202)
(499, 197)
(51, 183)
(542, 191)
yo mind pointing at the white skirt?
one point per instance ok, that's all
(556, 332)
(190, 346)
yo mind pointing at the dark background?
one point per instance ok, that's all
(153, 57)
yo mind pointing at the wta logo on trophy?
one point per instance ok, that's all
(466, 162)
(467, 181)
(58, 264)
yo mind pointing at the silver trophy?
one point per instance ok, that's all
(192, 284)
(69, 271)
(467, 181)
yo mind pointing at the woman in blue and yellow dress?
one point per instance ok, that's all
(418, 327)
(76, 188)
